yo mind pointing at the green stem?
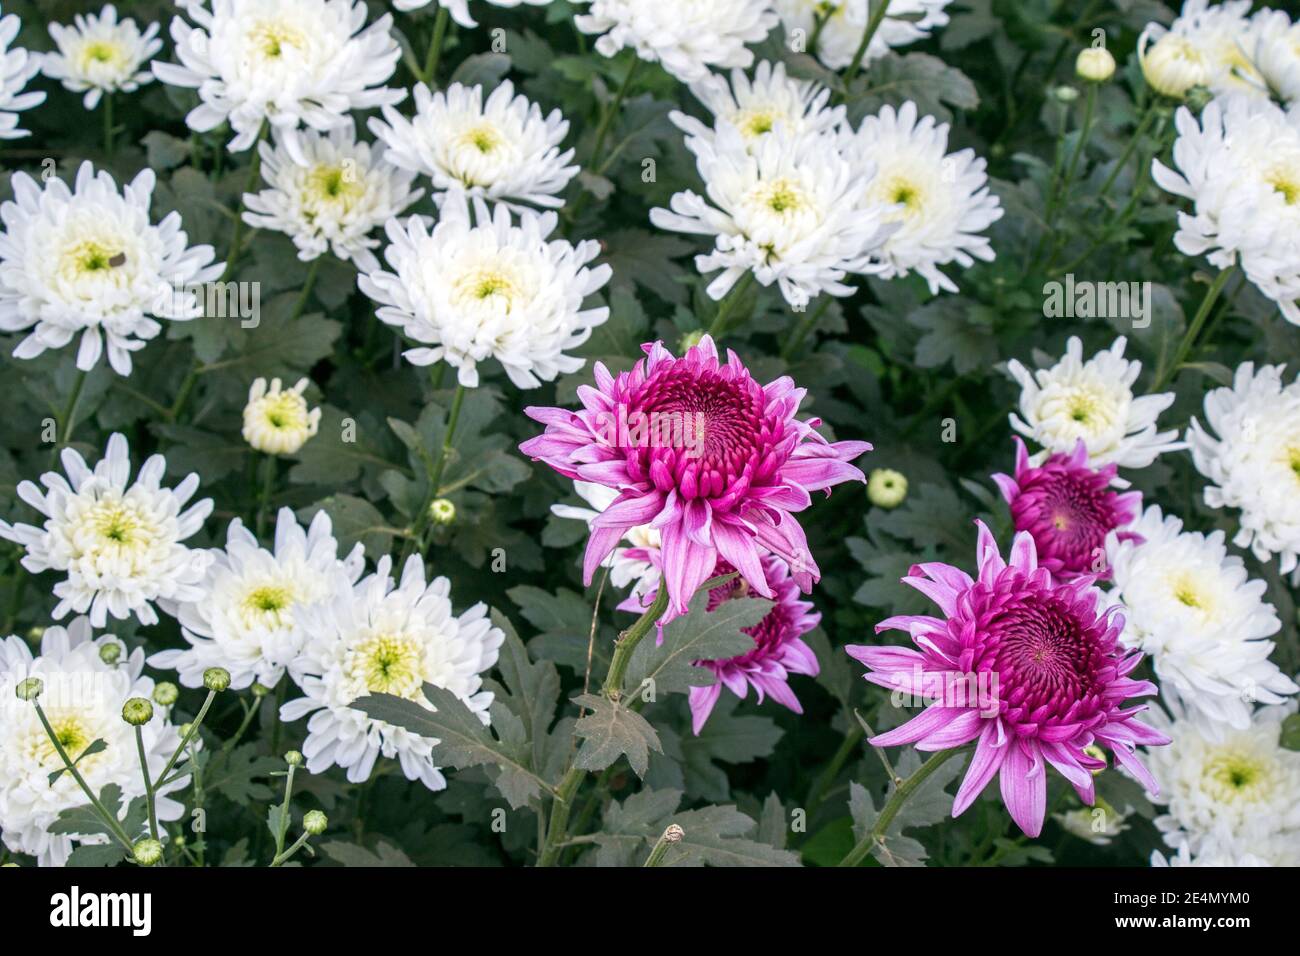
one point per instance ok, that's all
(430, 74)
(1120, 163)
(607, 117)
(560, 808)
(67, 421)
(1089, 108)
(307, 286)
(282, 825)
(627, 642)
(873, 24)
(249, 712)
(185, 741)
(151, 800)
(109, 819)
(656, 857)
(281, 858)
(800, 331)
(1203, 313)
(254, 170)
(902, 793)
(199, 799)
(827, 776)
(728, 304)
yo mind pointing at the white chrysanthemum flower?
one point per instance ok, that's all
(1209, 46)
(627, 565)
(501, 148)
(99, 55)
(688, 37)
(1092, 400)
(1191, 609)
(118, 541)
(941, 202)
(374, 639)
(1098, 825)
(1240, 166)
(82, 699)
(794, 210)
(276, 421)
(1277, 53)
(17, 66)
(1227, 790)
(1220, 848)
(756, 107)
(459, 9)
(89, 262)
(1254, 462)
(481, 286)
(248, 619)
(905, 22)
(333, 201)
(286, 62)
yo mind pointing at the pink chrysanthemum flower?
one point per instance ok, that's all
(778, 650)
(1069, 508)
(1027, 667)
(698, 450)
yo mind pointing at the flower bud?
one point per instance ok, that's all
(293, 758)
(216, 678)
(1173, 65)
(886, 488)
(315, 822)
(110, 652)
(29, 688)
(137, 711)
(690, 340)
(442, 511)
(674, 833)
(148, 852)
(1065, 94)
(259, 690)
(1095, 64)
(165, 694)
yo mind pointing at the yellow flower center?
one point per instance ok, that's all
(1285, 182)
(782, 196)
(99, 51)
(484, 137)
(388, 664)
(755, 122)
(270, 37)
(116, 523)
(1233, 775)
(335, 182)
(285, 410)
(492, 286)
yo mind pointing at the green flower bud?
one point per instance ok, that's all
(886, 488)
(690, 340)
(110, 653)
(442, 511)
(137, 711)
(165, 694)
(34, 635)
(29, 688)
(1095, 64)
(315, 822)
(1065, 94)
(148, 852)
(293, 758)
(216, 678)
(260, 690)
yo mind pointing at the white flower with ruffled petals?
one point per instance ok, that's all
(793, 210)
(688, 37)
(119, 541)
(376, 639)
(248, 619)
(481, 285)
(459, 9)
(334, 200)
(1191, 609)
(82, 699)
(500, 148)
(1240, 166)
(291, 63)
(17, 66)
(99, 54)
(940, 201)
(277, 421)
(89, 262)
(1249, 449)
(770, 102)
(1093, 401)
(905, 22)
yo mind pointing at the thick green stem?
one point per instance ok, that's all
(827, 776)
(902, 793)
(560, 808)
(1203, 313)
(607, 117)
(151, 800)
(285, 856)
(627, 642)
(307, 285)
(110, 820)
(430, 73)
(728, 304)
(873, 24)
(195, 724)
(282, 825)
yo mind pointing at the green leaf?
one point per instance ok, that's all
(349, 854)
(94, 747)
(355, 520)
(96, 854)
(700, 635)
(919, 77)
(611, 731)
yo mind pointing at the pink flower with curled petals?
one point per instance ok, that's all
(1069, 508)
(698, 450)
(1049, 649)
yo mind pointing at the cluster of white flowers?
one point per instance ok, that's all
(1208, 46)
(801, 199)
(480, 285)
(1240, 167)
(1092, 401)
(17, 66)
(838, 27)
(82, 698)
(100, 54)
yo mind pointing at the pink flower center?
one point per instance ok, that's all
(1044, 653)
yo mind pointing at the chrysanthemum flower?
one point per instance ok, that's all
(792, 209)
(290, 63)
(278, 422)
(940, 201)
(1227, 792)
(1190, 607)
(1277, 53)
(482, 286)
(698, 450)
(778, 650)
(88, 262)
(1092, 401)
(1240, 166)
(905, 22)
(1249, 449)
(99, 55)
(1026, 667)
(637, 564)
(376, 639)
(499, 148)
(1207, 45)
(772, 101)
(459, 9)
(247, 619)
(333, 201)
(82, 699)
(687, 37)
(118, 541)
(1069, 508)
(17, 66)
